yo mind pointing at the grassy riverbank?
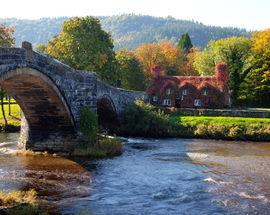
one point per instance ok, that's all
(147, 121)
(20, 202)
(231, 128)
(105, 147)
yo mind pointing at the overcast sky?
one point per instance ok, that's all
(249, 14)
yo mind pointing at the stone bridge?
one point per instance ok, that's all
(51, 95)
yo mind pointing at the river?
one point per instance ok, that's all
(152, 176)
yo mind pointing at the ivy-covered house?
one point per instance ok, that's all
(190, 91)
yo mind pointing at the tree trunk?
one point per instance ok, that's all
(9, 108)
(3, 112)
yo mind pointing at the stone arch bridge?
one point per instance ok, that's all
(51, 95)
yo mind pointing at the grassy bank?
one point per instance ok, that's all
(104, 147)
(230, 128)
(19, 202)
(145, 120)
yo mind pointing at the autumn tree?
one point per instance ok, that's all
(184, 43)
(257, 84)
(83, 45)
(164, 54)
(187, 67)
(234, 51)
(131, 71)
(7, 38)
(41, 48)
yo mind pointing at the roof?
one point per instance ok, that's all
(161, 83)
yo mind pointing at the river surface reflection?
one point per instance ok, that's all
(166, 176)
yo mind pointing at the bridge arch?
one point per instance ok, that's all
(44, 107)
(107, 114)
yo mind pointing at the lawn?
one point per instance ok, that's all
(231, 128)
(14, 117)
(219, 120)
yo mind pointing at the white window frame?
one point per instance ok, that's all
(154, 98)
(168, 91)
(184, 92)
(197, 103)
(167, 102)
(205, 92)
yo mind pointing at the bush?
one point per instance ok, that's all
(88, 125)
(142, 119)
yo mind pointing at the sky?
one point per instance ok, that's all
(249, 14)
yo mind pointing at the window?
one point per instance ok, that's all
(168, 91)
(205, 92)
(167, 102)
(185, 92)
(197, 103)
(155, 99)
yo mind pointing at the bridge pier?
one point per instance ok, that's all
(40, 140)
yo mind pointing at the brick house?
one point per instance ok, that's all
(189, 91)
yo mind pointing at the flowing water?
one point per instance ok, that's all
(153, 176)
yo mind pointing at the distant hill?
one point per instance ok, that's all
(128, 31)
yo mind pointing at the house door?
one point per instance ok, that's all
(178, 103)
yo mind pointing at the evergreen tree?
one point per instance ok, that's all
(184, 43)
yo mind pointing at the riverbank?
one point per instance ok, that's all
(147, 121)
(20, 202)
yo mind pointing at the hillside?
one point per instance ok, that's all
(128, 31)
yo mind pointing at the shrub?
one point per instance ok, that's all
(143, 119)
(88, 125)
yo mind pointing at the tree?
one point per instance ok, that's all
(83, 45)
(2, 96)
(6, 40)
(184, 43)
(256, 89)
(187, 67)
(6, 36)
(131, 72)
(234, 51)
(41, 48)
(164, 54)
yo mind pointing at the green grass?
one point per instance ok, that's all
(14, 118)
(218, 120)
(231, 128)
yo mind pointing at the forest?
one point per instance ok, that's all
(84, 44)
(128, 31)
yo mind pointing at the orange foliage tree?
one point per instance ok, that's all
(6, 36)
(164, 54)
